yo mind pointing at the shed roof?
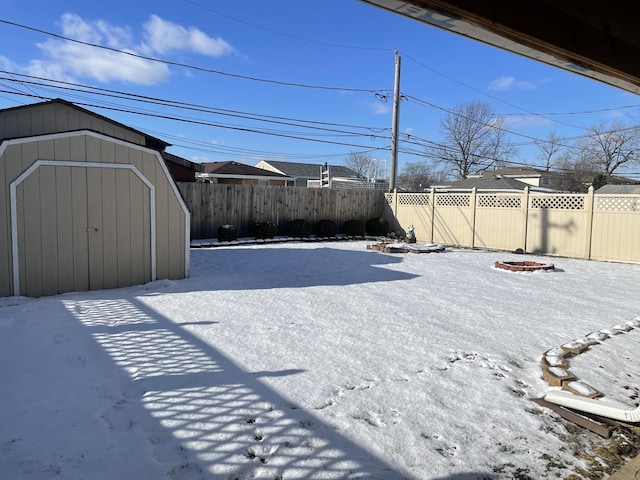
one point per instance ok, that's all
(150, 141)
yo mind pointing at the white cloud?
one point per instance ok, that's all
(510, 83)
(162, 36)
(200, 159)
(103, 65)
(66, 60)
(526, 121)
(380, 108)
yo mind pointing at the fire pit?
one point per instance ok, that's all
(524, 266)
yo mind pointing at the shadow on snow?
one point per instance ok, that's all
(228, 268)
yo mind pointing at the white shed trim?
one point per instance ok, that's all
(40, 163)
(90, 133)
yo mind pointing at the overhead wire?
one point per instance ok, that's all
(271, 119)
(288, 35)
(74, 86)
(188, 66)
(404, 54)
(211, 124)
(371, 132)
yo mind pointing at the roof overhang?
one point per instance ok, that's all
(596, 39)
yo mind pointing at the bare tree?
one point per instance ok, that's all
(473, 140)
(418, 176)
(578, 174)
(360, 162)
(608, 147)
(550, 149)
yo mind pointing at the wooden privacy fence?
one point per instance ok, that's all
(212, 205)
(599, 227)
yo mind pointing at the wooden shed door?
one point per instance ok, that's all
(83, 228)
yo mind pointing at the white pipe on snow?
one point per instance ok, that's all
(596, 407)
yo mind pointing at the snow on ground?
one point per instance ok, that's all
(310, 361)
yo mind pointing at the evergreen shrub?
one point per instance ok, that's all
(298, 228)
(261, 230)
(227, 233)
(326, 228)
(377, 226)
(353, 228)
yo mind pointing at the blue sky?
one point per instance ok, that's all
(325, 64)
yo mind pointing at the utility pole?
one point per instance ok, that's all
(394, 126)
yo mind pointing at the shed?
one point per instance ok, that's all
(84, 210)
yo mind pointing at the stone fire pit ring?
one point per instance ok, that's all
(526, 266)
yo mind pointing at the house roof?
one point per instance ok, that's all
(488, 183)
(309, 170)
(235, 168)
(518, 172)
(170, 157)
(618, 189)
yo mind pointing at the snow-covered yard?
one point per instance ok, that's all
(311, 361)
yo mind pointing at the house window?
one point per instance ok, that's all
(544, 181)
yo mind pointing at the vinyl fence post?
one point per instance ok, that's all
(525, 208)
(589, 212)
(474, 192)
(432, 205)
(395, 204)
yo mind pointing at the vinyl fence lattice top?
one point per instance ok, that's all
(413, 199)
(618, 204)
(453, 200)
(558, 202)
(499, 201)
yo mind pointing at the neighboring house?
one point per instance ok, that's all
(515, 178)
(86, 204)
(239, 173)
(314, 175)
(181, 169)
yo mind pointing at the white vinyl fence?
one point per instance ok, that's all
(599, 227)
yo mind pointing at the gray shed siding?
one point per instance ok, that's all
(92, 212)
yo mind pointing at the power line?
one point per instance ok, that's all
(212, 124)
(434, 70)
(583, 112)
(485, 93)
(372, 133)
(288, 35)
(536, 140)
(184, 65)
(69, 86)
